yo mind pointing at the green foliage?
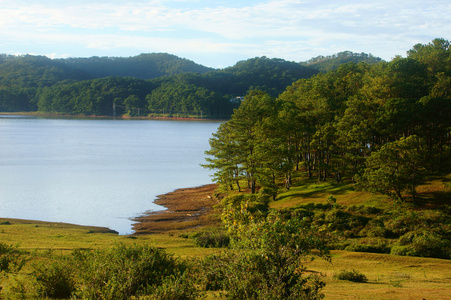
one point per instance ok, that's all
(175, 287)
(174, 85)
(369, 229)
(241, 209)
(122, 272)
(180, 96)
(397, 167)
(423, 243)
(10, 258)
(55, 280)
(385, 125)
(212, 239)
(267, 259)
(265, 74)
(353, 275)
(332, 62)
(375, 247)
(143, 66)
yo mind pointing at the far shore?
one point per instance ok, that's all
(67, 116)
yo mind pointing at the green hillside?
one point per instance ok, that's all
(332, 62)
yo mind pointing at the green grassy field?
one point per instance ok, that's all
(389, 276)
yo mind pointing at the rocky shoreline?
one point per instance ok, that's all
(187, 208)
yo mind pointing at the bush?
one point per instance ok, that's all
(212, 271)
(423, 243)
(10, 258)
(353, 275)
(55, 280)
(214, 239)
(428, 244)
(267, 260)
(175, 287)
(365, 210)
(249, 275)
(124, 271)
(402, 251)
(373, 248)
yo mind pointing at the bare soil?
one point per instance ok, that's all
(187, 208)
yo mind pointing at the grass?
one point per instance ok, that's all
(32, 236)
(389, 276)
(315, 192)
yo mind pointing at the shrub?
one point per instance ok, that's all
(302, 213)
(214, 239)
(267, 260)
(10, 258)
(55, 280)
(353, 275)
(123, 271)
(340, 220)
(212, 271)
(429, 244)
(402, 250)
(249, 275)
(373, 248)
(175, 287)
(364, 210)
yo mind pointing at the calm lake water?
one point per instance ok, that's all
(96, 172)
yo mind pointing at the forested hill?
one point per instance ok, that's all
(155, 83)
(328, 63)
(173, 85)
(143, 66)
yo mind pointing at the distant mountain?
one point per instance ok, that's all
(143, 66)
(332, 62)
(271, 75)
(28, 71)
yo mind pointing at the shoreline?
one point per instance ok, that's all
(40, 223)
(104, 117)
(186, 208)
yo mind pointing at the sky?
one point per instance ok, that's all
(220, 33)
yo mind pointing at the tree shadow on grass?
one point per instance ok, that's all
(433, 200)
(318, 191)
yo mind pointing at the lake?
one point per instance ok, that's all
(96, 172)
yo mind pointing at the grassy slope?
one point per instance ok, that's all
(390, 277)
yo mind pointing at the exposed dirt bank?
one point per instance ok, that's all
(186, 208)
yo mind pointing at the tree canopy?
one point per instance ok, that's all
(383, 125)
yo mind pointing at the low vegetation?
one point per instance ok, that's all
(352, 275)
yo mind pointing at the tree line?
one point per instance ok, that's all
(385, 126)
(147, 82)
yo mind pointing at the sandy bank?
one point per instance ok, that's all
(186, 208)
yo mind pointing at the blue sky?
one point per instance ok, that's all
(220, 33)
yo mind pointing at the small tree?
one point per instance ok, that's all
(397, 167)
(267, 260)
(132, 104)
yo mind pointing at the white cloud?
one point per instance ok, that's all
(291, 29)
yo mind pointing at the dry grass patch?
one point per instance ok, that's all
(389, 276)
